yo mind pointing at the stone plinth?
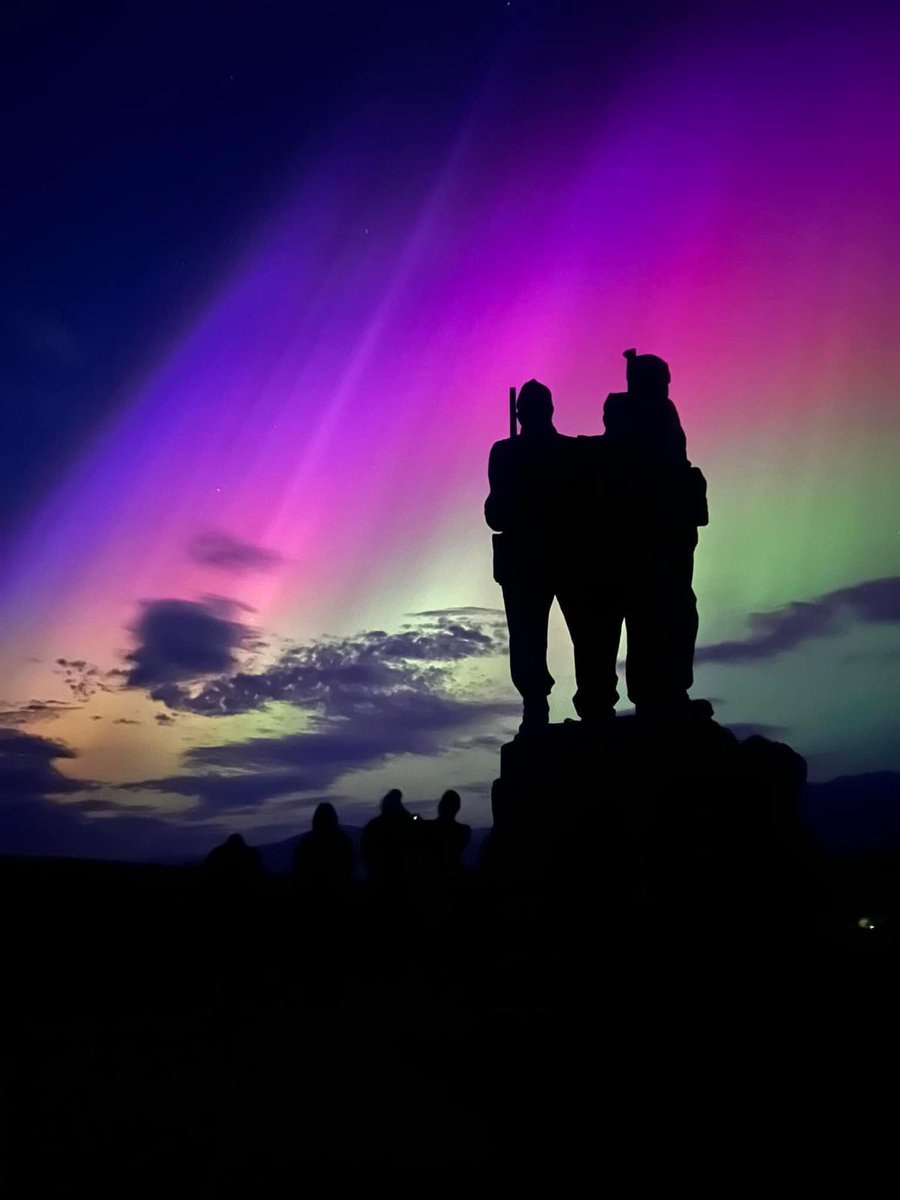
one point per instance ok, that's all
(670, 807)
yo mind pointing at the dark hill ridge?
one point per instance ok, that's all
(855, 814)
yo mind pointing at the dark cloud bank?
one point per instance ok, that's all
(43, 811)
(183, 640)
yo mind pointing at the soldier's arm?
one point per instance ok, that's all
(615, 413)
(499, 504)
(698, 504)
(678, 440)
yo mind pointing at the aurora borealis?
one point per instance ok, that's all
(304, 455)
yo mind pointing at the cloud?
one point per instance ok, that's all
(485, 615)
(43, 811)
(368, 697)
(27, 766)
(82, 678)
(182, 640)
(747, 729)
(31, 822)
(876, 600)
(36, 710)
(483, 741)
(784, 629)
(125, 721)
(343, 677)
(112, 807)
(215, 792)
(242, 774)
(225, 553)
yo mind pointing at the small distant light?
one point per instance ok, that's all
(866, 923)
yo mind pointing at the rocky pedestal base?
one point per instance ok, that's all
(675, 817)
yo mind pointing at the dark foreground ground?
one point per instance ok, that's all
(163, 1032)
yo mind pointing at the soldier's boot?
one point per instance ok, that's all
(535, 714)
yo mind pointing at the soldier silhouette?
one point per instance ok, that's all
(654, 500)
(536, 499)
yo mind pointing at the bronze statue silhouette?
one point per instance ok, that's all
(537, 496)
(608, 526)
(656, 501)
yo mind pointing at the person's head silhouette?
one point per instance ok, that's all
(392, 804)
(534, 407)
(448, 805)
(647, 374)
(325, 819)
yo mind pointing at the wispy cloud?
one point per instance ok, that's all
(746, 729)
(84, 679)
(35, 710)
(784, 629)
(214, 548)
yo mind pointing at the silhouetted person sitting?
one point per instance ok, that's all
(446, 838)
(234, 861)
(323, 859)
(657, 501)
(388, 843)
(536, 493)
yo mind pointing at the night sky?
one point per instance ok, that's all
(269, 272)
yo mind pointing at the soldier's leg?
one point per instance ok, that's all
(685, 623)
(527, 605)
(661, 619)
(640, 657)
(593, 615)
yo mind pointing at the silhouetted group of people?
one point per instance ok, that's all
(398, 849)
(607, 526)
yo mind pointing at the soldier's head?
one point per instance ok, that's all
(534, 406)
(646, 374)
